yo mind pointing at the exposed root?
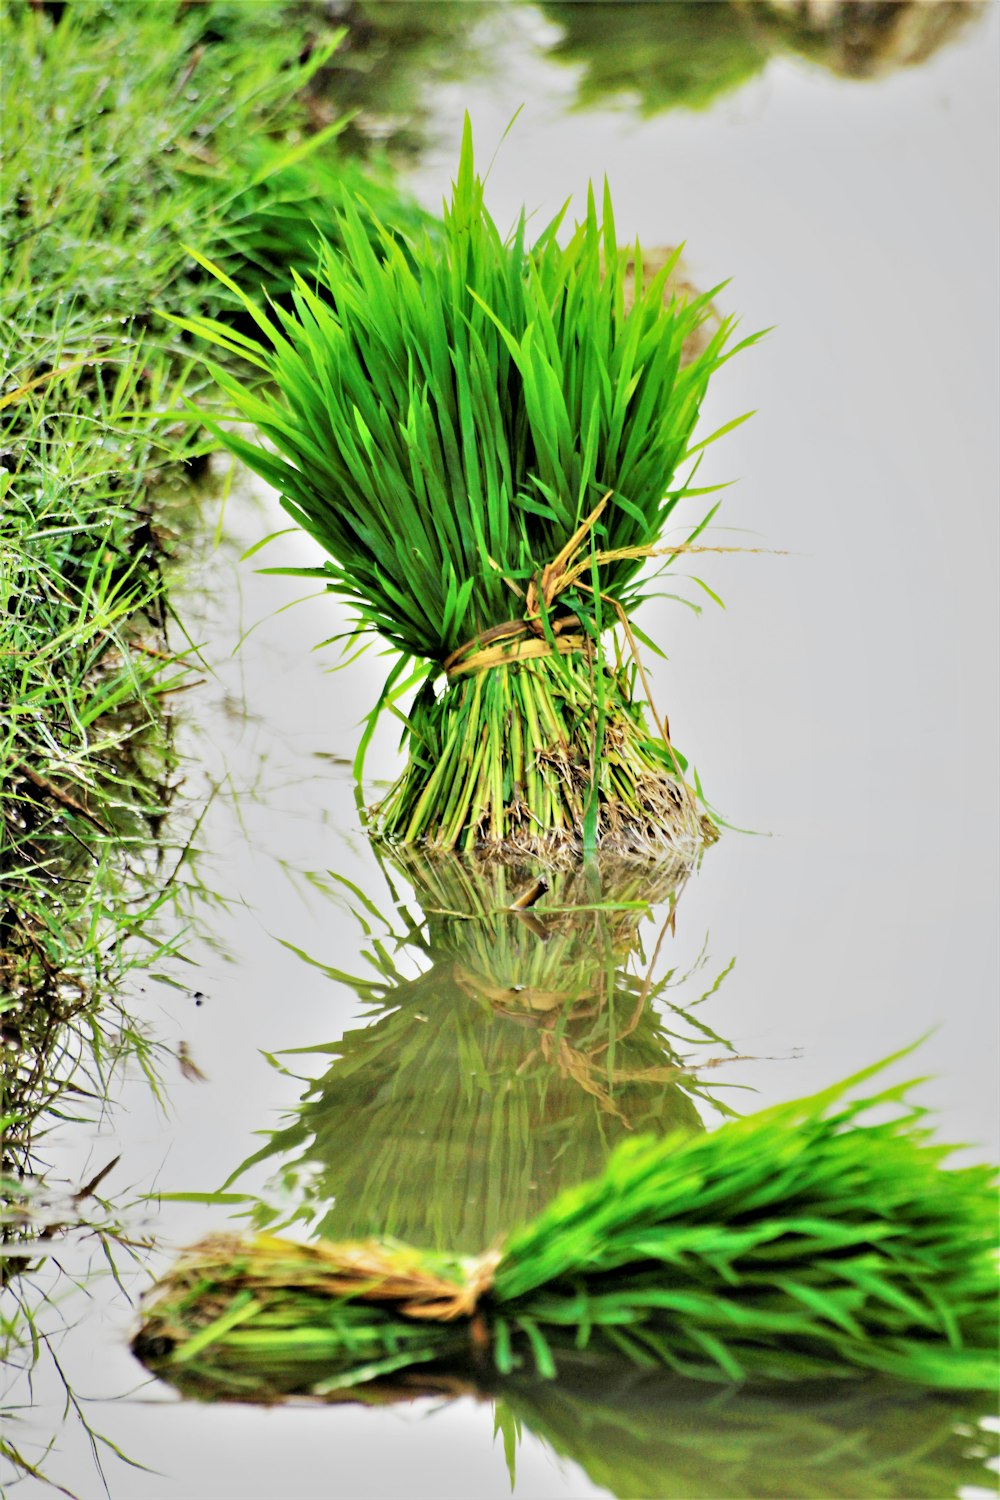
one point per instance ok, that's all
(667, 829)
(490, 879)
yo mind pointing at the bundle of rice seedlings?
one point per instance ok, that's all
(506, 1071)
(822, 1238)
(485, 441)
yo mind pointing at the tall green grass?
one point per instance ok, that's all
(485, 439)
(128, 128)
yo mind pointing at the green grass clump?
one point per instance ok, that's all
(484, 437)
(291, 205)
(818, 1239)
(127, 129)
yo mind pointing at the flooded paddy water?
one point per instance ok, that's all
(356, 1058)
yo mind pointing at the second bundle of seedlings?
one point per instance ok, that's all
(817, 1240)
(484, 436)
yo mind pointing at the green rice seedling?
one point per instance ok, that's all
(486, 442)
(818, 1239)
(529, 1045)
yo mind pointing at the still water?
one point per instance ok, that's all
(842, 706)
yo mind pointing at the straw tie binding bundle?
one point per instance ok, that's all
(450, 411)
(364, 1268)
(513, 641)
(541, 635)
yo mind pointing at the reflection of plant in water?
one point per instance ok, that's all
(682, 54)
(52, 1245)
(642, 1436)
(392, 53)
(68, 1029)
(87, 874)
(637, 1437)
(507, 1069)
(860, 38)
(688, 53)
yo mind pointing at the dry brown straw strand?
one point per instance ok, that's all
(523, 640)
(365, 1269)
(512, 650)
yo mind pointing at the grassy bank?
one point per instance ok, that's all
(131, 131)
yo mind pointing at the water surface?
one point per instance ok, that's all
(843, 705)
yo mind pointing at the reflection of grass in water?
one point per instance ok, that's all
(505, 1071)
(682, 54)
(688, 53)
(55, 1250)
(393, 56)
(445, 1123)
(860, 40)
